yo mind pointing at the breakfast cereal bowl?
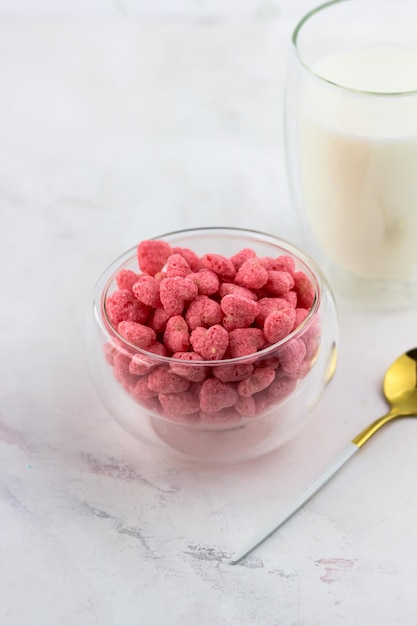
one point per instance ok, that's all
(213, 344)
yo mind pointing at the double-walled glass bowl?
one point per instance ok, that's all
(233, 424)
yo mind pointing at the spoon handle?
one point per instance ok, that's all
(264, 533)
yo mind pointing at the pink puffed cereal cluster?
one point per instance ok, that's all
(200, 311)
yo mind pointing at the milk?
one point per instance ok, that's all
(358, 158)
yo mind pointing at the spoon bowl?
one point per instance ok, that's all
(400, 383)
(400, 391)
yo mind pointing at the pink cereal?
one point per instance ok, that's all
(282, 263)
(158, 320)
(141, 389)
(160, 276)
(146, 290)
(251, 274)
(304, 369)
(152, 255)
(157, 348)
(121, 362)
(271, 361)
(190, 256)
(195, 374)
(163, 380)
(137, 334)
(243, 255)
(211, 343)
(263, 401)
(175, 292)
(195, 387)
(245, 341)
(203, 311)
(267, 305)
(141, 364)
(311, 339)
(278, 324)
(177, 266)
(125, 279)
(152, 404)
(226, 289)
(246, 407)
(304, 289)
(207, 282)
(239, 312)
(291, 357)
(179, 404)
(279, 283)
(121, 370)
(233, 373)
(122, 306)
(260, 379)
(219, 264)
(109, 351)
(291, 298)
(300, 316)
(177, 335)
(225, 416)
(216, 395)
(281, 387)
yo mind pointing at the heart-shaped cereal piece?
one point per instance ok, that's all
(211, 343)
(216, 395)
(239, 312)
(152, 255)
(175, 291)
(278, 324)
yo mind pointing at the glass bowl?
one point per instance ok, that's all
(216, 411)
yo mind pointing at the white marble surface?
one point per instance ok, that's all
(113, 129)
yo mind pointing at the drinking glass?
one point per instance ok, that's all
(351, 145)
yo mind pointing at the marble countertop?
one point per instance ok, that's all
(114, 129)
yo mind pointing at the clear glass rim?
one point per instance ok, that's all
(107, 277)
(294, 40)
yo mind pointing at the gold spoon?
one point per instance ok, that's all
(400, 390)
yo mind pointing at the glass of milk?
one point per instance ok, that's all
(351, 145)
